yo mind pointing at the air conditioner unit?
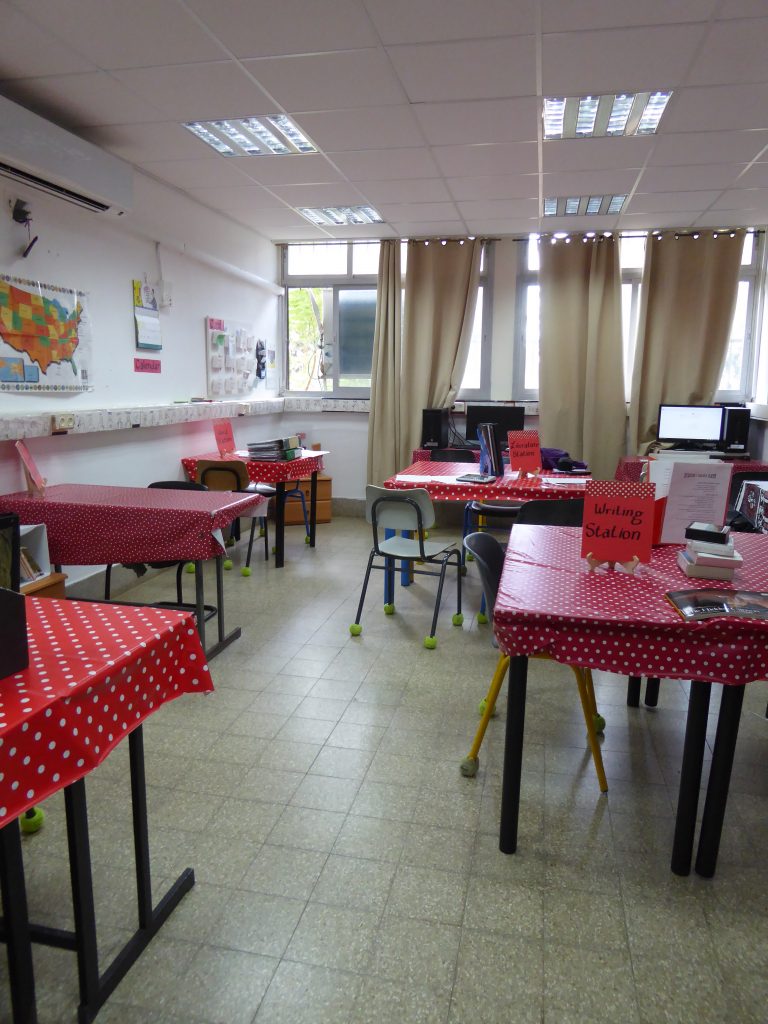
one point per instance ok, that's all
(36, 153)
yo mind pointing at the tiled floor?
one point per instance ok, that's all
(346, 872)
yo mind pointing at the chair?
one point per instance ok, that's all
(452, 455)
(232, 475)
(489, 555)
(209, 610)
(410, 512)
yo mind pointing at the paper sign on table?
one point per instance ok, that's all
(225, 438)
(618, 521)
(524, 450)
(35, 480)
(698, 492)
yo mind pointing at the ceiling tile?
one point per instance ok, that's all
(495, 227)
(427, 21)
(588, 154)
(559, 17)
(745, 44)
(471, 70)
(621, 60)
(415, 190)
(717, 108)
(143, 143)
(342, 194)
(189, 174)
(708, 147)
(329, 81)
(369, 128)
(755, 177)
(237, 200)
(486, 209)
(296, 169)
(424, 212)
(659, 219)
(141, 33)
(287, 27)
(487, 158)
(735, 219)
(582, 183)
(744, 199)
(82, 100)
(673, 179)
(507, 186)
(663, 202)
(430, 228)
(452, 124)
(390, 164)
(41, 53)
(199, 92)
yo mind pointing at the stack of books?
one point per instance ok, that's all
(29, 570)
(708, 560)
(277, 450)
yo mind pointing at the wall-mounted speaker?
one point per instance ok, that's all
(434, 428)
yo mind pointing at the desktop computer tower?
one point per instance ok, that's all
(434, 428)
(734, 433)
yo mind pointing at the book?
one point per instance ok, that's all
(711, 533)
(706, 603)
(703, 572)
(277, 444)
(283, 455)
(705, 547)
(28, 567)
(728, 558)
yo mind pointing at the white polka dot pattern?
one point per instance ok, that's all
(549, 602)
(96, 671)
(267, 472)
(443, 485)
(92, 525)
(630, 467)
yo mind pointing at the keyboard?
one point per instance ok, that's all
(476, 478)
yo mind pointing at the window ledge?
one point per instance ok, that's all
(294, 403)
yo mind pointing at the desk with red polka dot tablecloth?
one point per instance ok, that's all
(440, 481)
(91, 524)
(96, 672)
(548, 602)
(277, 473)
(630, 467)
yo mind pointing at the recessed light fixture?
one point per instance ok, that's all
(587, 117)
(338, 216)
(275, 135)
(583, 206)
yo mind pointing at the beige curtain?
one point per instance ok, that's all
(440, 297)
(581, 376)
(688, 298)
(384, 417)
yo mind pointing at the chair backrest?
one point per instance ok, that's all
(178, 485)
(553, 512)
(223, 475)
(394, 510)
(489, 555)
(452, 455)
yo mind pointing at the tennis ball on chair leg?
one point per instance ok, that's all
(32, 820)
(227, 563)
(430, 642)
(355, 629)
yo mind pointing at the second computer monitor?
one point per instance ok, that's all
(505, 417)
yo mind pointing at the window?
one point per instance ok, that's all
(330, 317)
(737, 381)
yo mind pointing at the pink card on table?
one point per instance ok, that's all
(618, 521)
(225, 438)
(35, 480)
(524, 450)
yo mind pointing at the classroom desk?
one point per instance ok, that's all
(278, 474)
(439, 479)
(548, 602)
(630, 467)
(91, 524)
(96, 672)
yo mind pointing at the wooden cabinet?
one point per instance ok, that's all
(51, 585)
(324, 490)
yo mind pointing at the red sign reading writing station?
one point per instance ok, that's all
(618, 521)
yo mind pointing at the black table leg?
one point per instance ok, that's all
(633, 692)
(82, 895)
(719, 780)
(280, 524)
(513, 754)
(200, 601)
(651, 691)
(312, 508)
(15, 922)
(690, 777)
(224, 639)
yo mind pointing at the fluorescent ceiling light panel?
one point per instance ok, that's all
(587, 117)
(252, 136)
(338, 216)
(584, 206)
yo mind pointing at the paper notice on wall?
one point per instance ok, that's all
(146, 317)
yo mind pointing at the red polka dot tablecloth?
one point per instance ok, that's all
(439, 479)
(96, 671)
(630, 467)
(549, 602)
(266, 472)
(425, 454)
(89, 524)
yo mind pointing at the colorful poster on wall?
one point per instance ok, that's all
(146, 317)
(45, 337)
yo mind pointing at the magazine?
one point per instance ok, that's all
(707, 602)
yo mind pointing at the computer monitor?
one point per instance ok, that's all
(697, 425)
(505, 418)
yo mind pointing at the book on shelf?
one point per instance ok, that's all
(276, 444)
(704, 572)
(706, 603)
(28, 567)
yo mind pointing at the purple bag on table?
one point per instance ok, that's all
(552, 457)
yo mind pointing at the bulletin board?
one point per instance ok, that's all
(235, 358)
